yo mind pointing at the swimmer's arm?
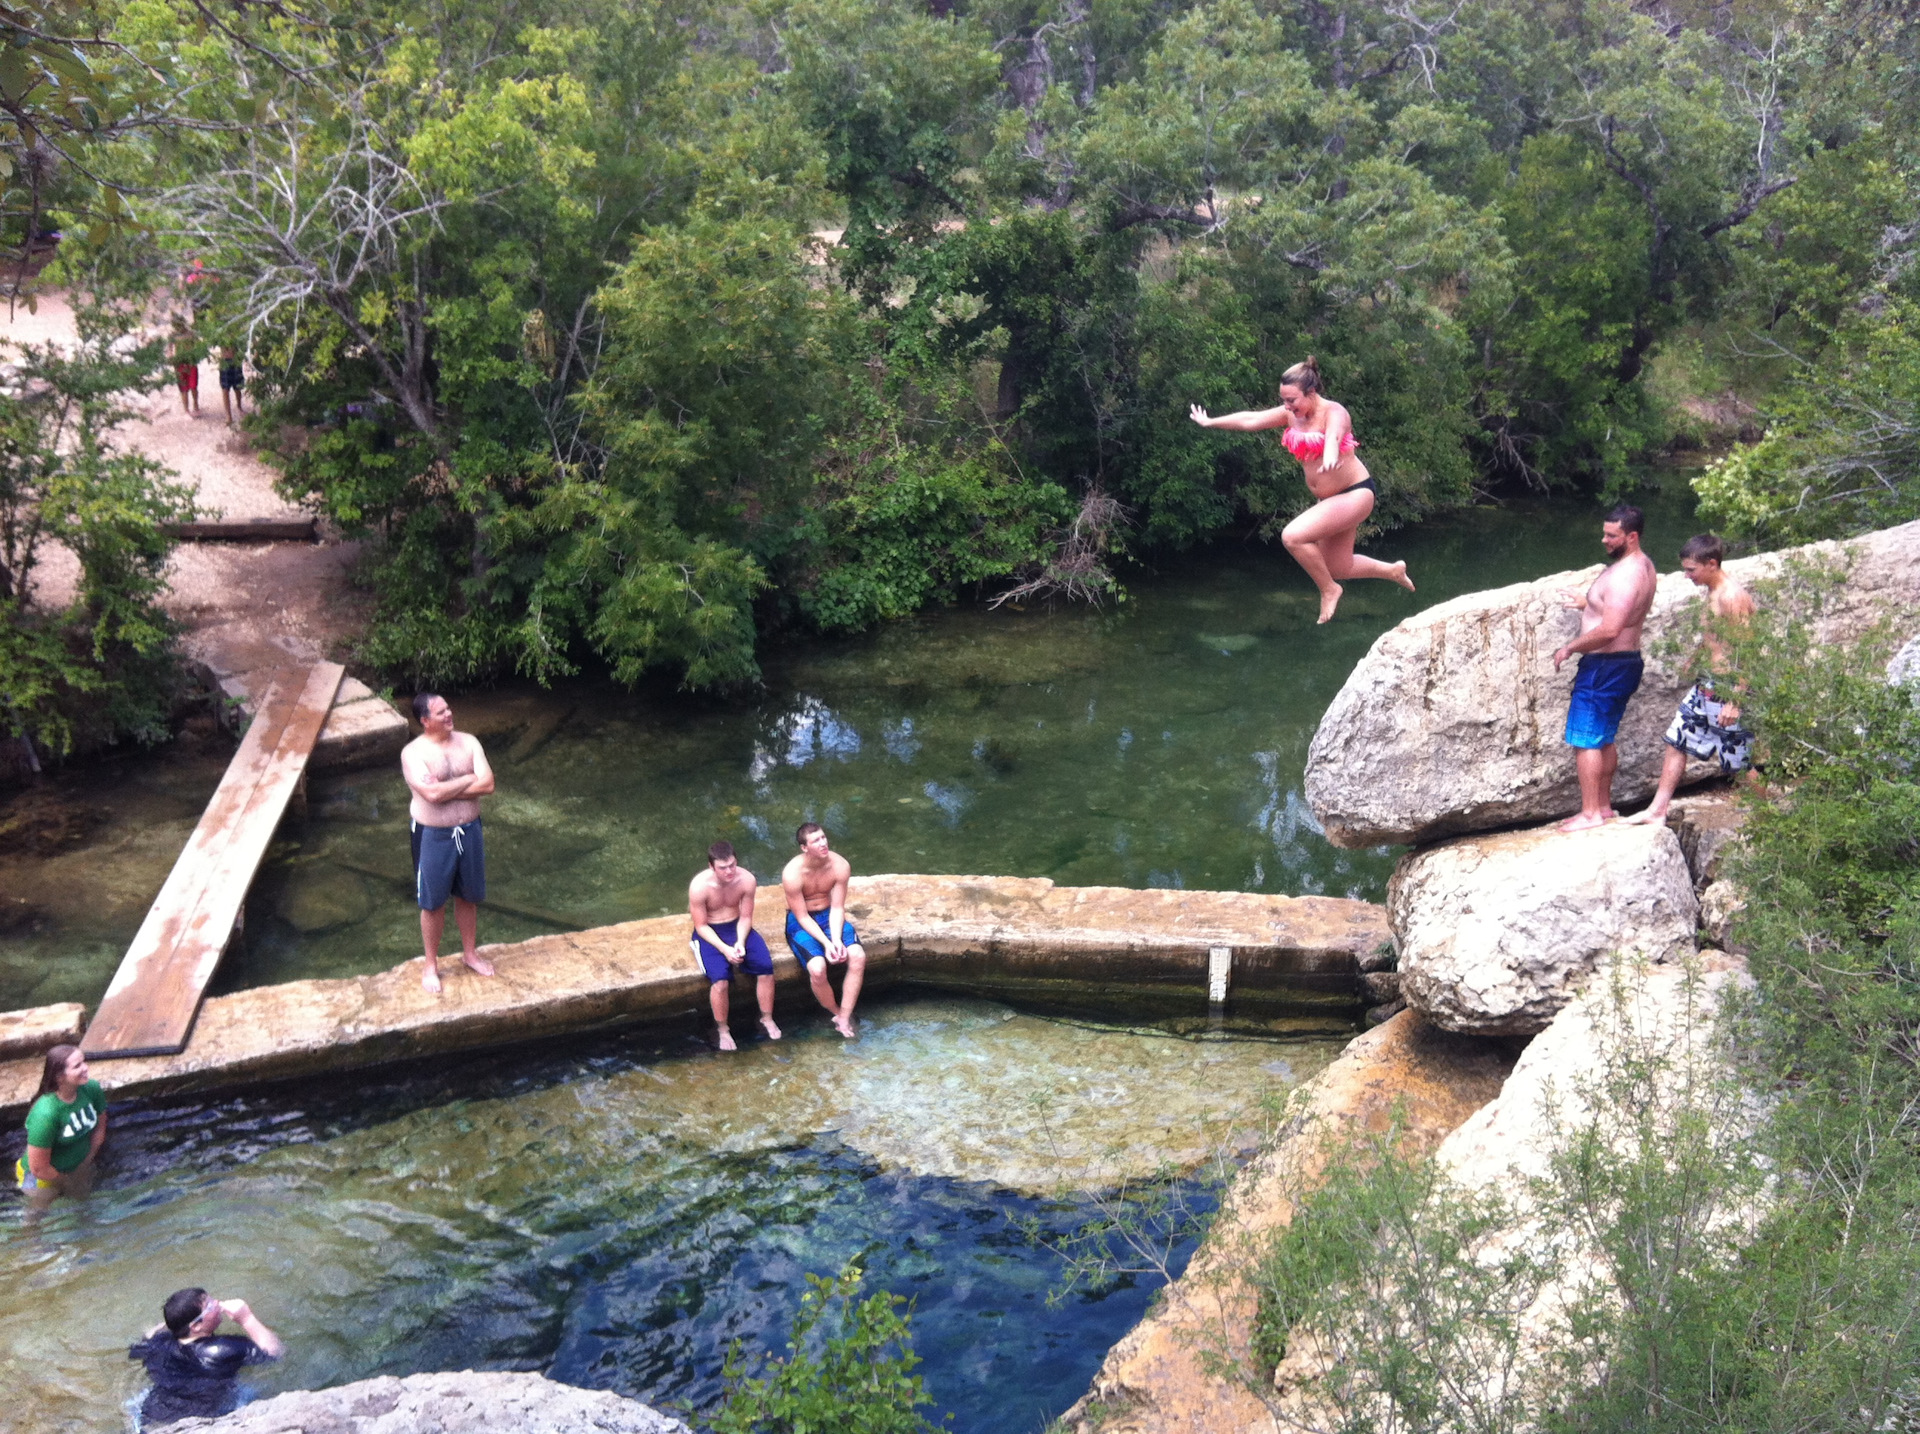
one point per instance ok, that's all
(40, 1162)
(419, 777)
(241, 1314)
(1339, 425)
(99, 1136)
(1614, 608)
(702, 927)
(837, 910)
(743, 928)
(480, 784)
(1251, 420)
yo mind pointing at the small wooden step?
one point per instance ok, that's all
(252, 530)
(150, 1007)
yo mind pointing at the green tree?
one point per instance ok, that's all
(102, 667)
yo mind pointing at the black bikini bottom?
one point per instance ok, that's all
(1367, 483)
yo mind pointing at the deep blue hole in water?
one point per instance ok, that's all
(641, 1286)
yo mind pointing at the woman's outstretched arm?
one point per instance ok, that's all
(1250, 420)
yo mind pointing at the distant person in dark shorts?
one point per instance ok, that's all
(720, 900)
(818, 933)
(233, 382)
(1706, 727)
(195, 1369)
(1612, 611)
(183, 350)
(448, 774)
(66, 1126)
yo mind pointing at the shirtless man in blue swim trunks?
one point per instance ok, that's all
(817, 929)
(1612, 611)
(720, 900)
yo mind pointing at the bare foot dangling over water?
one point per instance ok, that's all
(773, 1031)
(1330, 601)
(1399, 575)
(726, 1039)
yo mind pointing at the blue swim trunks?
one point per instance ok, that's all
(759, 960)
(1600, 691)
(804, 946)
(448, 861)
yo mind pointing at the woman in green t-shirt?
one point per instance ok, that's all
(65, 1128)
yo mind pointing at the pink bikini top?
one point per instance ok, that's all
(1305, 443)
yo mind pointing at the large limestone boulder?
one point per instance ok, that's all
(1453, 720)
(464, 1403)
(1496, 933)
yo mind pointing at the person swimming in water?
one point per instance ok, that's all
(1319, 432)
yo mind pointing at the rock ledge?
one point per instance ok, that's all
(462, 1403)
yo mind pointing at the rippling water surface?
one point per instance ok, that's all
(616, 1212)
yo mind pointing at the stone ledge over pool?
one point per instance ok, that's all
(1004, 935)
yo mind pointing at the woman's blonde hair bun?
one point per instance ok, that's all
(1304, 375)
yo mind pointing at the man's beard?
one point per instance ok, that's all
(1614, 555)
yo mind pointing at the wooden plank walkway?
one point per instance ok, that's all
(149, 1008)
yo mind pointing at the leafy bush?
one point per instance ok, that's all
(861, 1381)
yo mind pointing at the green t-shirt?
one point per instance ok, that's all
(66, 1130)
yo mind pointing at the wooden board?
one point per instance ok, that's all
(150, 1006)
(252, 530)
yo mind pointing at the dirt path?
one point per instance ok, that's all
(245, 608)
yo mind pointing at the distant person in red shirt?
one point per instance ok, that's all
(184, 351)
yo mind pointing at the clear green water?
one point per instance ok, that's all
(614, 1213)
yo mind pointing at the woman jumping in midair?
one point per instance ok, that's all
(1318, 432)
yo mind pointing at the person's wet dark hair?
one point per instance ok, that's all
(55, 1067)
(720, 851)
(422, 704)
(183, 1308)
(1304, 375)
(1704, 548)
(1630, 518)
(805, 830)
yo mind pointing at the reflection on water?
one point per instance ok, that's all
(1158, 743)
(614, 1213)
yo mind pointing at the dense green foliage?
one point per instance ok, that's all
(103, 666)
(1733, 1237)
(545, 295)
(860, 1382)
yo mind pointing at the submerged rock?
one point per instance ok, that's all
(1453, 720)
(465, 1403)
(319, 897)
(1497, 932)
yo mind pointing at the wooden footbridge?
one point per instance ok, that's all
(150, 1007)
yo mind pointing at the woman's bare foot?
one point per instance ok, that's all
(726, 1039)
(1400, 577)
(1329, 602)
(1586, 821)
(430, 980)
(767, 1025)
(479, 965)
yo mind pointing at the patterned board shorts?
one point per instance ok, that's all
(1696, 730)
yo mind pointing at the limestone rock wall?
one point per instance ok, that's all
(1497, 932)
(1453, 721)
(463, 1403)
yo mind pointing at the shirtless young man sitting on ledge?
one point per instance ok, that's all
(720, 900)
(815, 883)
(1612, 612)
